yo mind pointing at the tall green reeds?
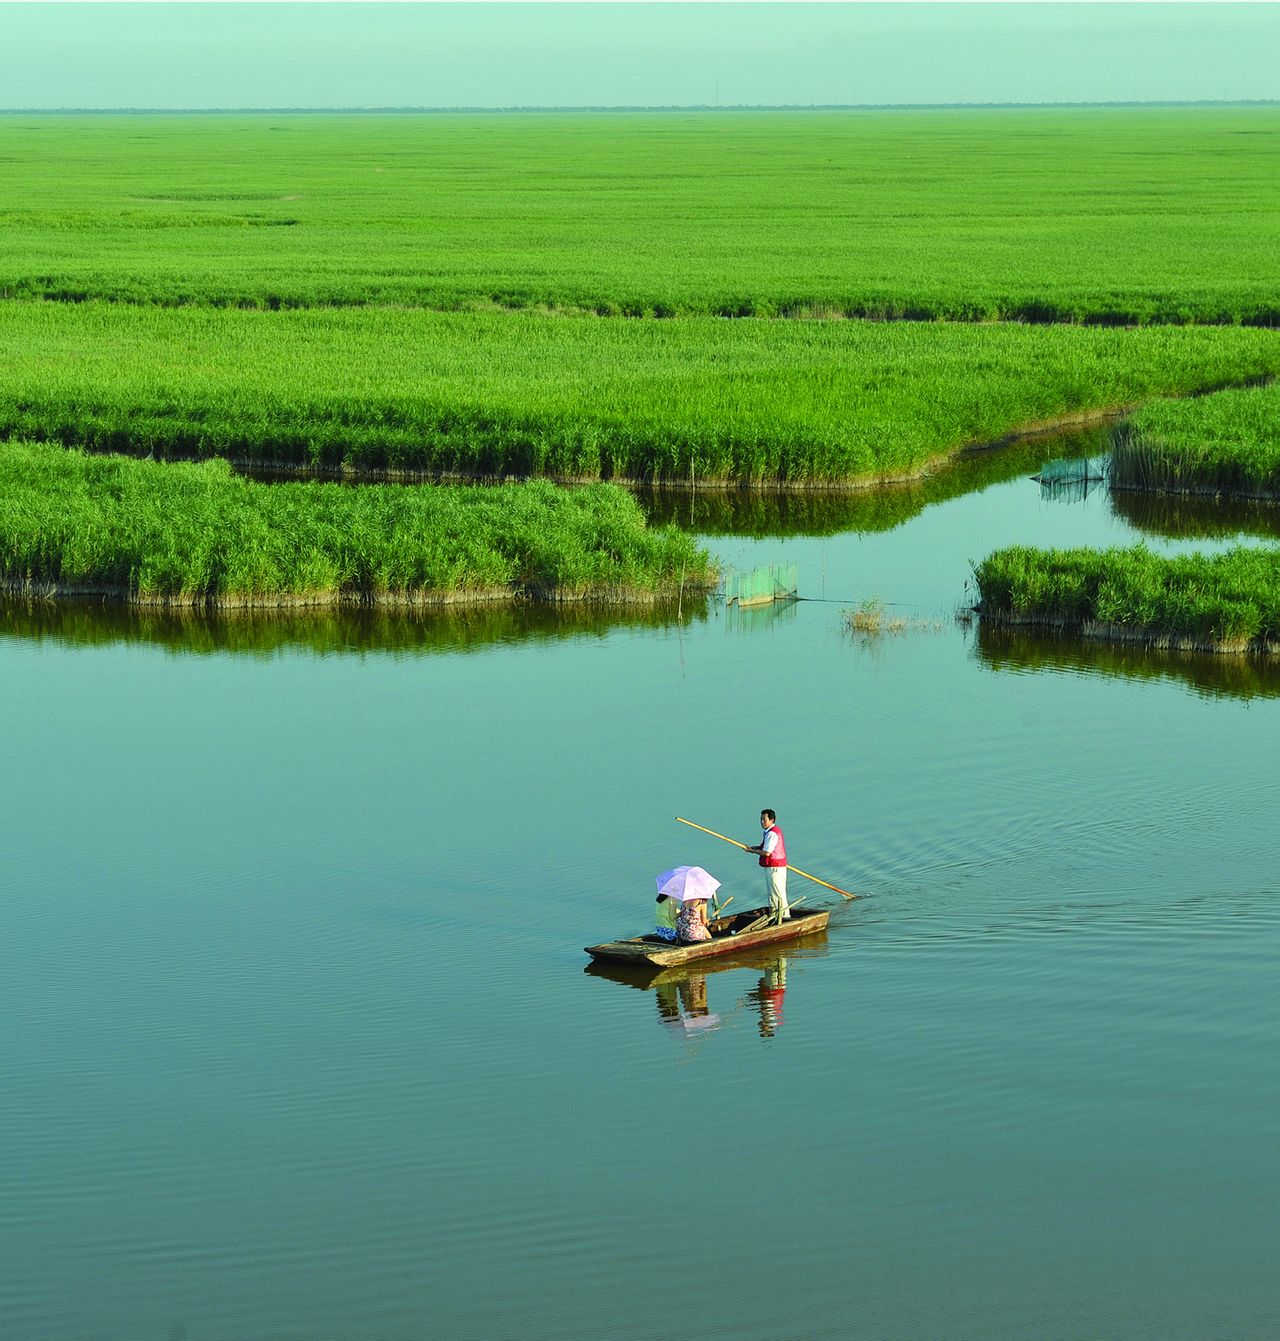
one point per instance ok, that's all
(689, 399)
(1225, 443)
(197, 534)
(1224, 602)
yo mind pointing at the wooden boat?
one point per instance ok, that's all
(645, 976)
(728, 936)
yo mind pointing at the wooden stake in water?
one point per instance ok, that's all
(844, 893)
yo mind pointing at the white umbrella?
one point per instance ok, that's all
(687, 883)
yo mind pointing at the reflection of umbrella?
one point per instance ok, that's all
(686, 883)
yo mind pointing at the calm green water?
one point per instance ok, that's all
(299, 1041)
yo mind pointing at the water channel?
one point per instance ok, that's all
(299, 1039)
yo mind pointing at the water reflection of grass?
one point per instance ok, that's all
(1187, 517)
(335, 631)
(1210, 676)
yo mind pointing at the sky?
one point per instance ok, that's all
(250, 54)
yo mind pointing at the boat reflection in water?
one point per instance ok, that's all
(684, 1000)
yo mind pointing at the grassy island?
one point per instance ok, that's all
(198, 534)
(1227, 443)
(1226, 602)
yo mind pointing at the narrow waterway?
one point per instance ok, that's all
(300, 1040)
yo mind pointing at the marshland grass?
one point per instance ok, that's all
(702, 399)
(455, 295)
(1228, 443)
(1223, 602)
(1122, 215)
(198, 534)
(871, 619)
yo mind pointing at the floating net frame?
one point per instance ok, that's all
(1072, 479)
(761, 586)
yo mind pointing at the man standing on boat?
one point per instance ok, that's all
(772, 850)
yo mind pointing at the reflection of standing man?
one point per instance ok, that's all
(773, 857)
(769, 994)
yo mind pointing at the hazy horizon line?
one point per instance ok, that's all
(637, 107)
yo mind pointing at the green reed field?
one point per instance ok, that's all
(1143, 214)
(1227, 602)
(498, 393)
(1227, 443)
(198, 534)
(555, 294)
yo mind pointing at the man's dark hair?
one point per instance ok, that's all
(772, 816)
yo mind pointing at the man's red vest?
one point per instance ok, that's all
(778, 857)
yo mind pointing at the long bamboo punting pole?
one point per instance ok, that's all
(844, 893)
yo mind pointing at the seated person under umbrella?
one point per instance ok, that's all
(689, 888)
(668, 915)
